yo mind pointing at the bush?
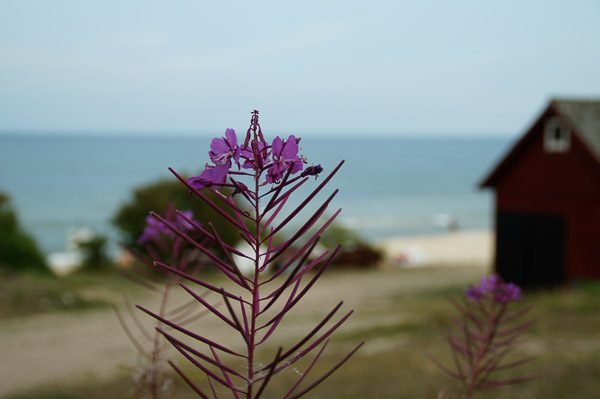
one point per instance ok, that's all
(18, 250)
(130, 219)
(94, 254)
(362, 255)
(355, 252)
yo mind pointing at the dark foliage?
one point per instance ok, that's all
(158, 196)
(95, 257)
(18, 250)
(362, 256)
(356, 252)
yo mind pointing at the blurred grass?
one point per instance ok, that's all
(403, 328)
(28, 294)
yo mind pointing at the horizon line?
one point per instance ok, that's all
(206, 133)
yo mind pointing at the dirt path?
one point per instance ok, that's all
(68, 347)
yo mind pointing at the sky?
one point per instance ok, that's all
(311, 67)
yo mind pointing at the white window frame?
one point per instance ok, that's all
(557, 136)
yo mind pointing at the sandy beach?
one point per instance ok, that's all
(460, 248)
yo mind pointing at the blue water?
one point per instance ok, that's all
(389, 186)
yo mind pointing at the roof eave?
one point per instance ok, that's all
(491, 178)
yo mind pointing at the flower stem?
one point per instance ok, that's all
(490, 334)
(255, 288)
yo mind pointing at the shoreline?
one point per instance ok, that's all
(457, 248)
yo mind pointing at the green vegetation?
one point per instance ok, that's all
(28, 294)
(355, 252)
(337, 233)
(130, 219)
(18, 250)
(95, 257)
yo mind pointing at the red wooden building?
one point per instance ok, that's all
(548, 198)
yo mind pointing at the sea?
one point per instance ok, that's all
(388, 186)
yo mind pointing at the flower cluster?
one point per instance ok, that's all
(276, 158)
(496, 288)
(156, 229)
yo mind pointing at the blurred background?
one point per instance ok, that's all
(422, 100)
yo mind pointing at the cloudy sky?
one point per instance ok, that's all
(312, 67)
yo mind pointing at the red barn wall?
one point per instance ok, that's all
(565, 184)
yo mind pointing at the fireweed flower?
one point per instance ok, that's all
(493, 286)
(224, 149)
(507, 293)
(285, 157)
(277, 159)
(254, 161)
(263, 298)
(156, 230)
(182, 220)
(151, 376)
(153, 230)
(483, 337)
(212, 175)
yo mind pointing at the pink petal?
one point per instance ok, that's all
(277, 146)
(210, 175)
(218, 146)
(290, 150)
(297, 166)
(217, 174)
(231, 137)
(236, 156)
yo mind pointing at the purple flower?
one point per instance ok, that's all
(475, 293)
(155, 229)
(183, 223)
(490, 283)
(285, 156)
(250, 159)
(224, 149)
(497, 289)
(507, 293)
(211, 175)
